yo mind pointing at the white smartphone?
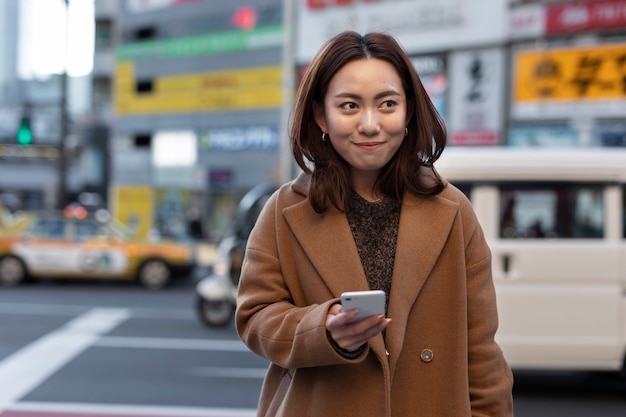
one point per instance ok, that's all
(367, 302)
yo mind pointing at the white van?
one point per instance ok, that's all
(555, 220)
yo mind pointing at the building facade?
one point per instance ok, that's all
(27, 173)
(501, 72)
(197, 102)
(567, 70)
(63, 157)
(187, 99)
(202, 82)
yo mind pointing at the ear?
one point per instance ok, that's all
(320, 117)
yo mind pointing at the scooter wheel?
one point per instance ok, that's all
(215, 313)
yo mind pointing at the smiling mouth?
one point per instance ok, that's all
(369, 145)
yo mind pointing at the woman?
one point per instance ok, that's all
(369, 211)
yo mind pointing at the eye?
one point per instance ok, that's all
(389, 104)
(348, 105)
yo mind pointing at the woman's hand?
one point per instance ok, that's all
(351, 336)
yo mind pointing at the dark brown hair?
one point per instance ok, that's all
(423, 145)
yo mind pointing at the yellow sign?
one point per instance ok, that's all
(134, 206)
(252, 88)
(594, 73)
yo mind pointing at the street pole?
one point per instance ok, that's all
(288, 67)
(62, 161)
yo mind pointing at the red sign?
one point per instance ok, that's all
(244, 18)
(582, 17)
(322, 4)
(476, 137)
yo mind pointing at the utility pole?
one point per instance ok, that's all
(62, 161)
(287, 166)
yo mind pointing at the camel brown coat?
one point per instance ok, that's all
(438, 357)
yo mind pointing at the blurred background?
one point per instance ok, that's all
(167, 120)
(166, 112)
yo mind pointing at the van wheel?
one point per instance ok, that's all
(154, 274)
(12, 271)
(216, 313)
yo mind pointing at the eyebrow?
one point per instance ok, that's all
(377, 96)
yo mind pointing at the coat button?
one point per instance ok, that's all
(426, 355)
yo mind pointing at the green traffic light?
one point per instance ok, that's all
(24, 133)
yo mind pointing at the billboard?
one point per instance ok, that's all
(565, 82)
(576, 17)
(477, 86)
(432, 71)
(565, 18)
(237, 89)
(420, 25)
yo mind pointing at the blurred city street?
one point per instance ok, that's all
(117, 349)
(102, 349)
(138, 137)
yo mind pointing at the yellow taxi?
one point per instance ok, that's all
(81, 245)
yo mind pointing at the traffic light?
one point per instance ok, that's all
(24, 133)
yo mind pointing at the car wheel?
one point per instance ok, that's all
(216, 313)
(12, 271)
(154, 274)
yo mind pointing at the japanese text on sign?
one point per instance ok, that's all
(571, 74)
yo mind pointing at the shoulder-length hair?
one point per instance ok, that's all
(421, 147)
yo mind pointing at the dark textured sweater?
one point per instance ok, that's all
(374, 227)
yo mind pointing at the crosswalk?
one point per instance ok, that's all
(27, 368)
(25, 409)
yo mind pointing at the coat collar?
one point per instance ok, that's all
(425, 223)
(327, 240)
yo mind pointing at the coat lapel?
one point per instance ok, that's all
(425, 224)
(327, 240)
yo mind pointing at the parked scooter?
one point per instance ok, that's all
(216, 294)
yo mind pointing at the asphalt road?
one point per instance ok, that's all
(98, 349)
(118, 350)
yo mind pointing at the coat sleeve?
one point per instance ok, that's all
(267, 319)
(490, 378)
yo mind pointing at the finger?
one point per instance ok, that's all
(362, 331)
(335, 309)
(368, 322)
(358, 333)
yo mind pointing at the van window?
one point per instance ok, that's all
(551, 210)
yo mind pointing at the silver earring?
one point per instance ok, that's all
(406, 131)
(323, 136)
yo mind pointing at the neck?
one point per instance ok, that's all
(364, 183)
(370, 194)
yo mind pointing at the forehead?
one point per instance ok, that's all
(367, 73)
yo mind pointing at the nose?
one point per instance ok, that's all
(369, 124)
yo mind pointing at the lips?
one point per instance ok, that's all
(369, 145)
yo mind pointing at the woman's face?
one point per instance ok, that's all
(364, 115)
